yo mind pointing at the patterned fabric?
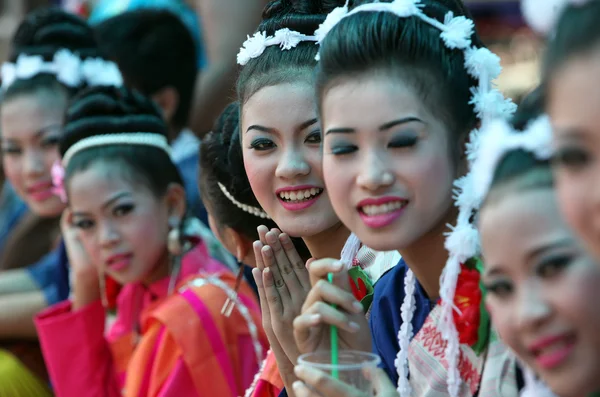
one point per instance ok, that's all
(491, 374)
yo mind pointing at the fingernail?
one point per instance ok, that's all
(354, 326)
(337, 265)
(358, 307)
(299, 369)
(271, 239)
(297, 385)
(315, 318)
(267, 252)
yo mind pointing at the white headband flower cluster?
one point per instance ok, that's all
(542, 15)
(498, 138)
(463, 241)
(254, 46)
(68, 68)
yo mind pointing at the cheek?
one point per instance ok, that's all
(12, 170)
(574, 199)
(260, 171)
(432, 180)
(501, 314)
(314, 158)
(338, 181)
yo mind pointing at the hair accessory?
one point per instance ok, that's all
(58, 179)
(254, 46)
(244, 207)
(68, 68)
(489, 104)
(129, 138)
(542, 15)
(498, 139)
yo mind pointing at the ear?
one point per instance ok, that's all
(238, 245)
(176, 201)
(167, 99)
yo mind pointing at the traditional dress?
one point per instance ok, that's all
(184, 347)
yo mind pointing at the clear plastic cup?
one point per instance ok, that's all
(353, 367)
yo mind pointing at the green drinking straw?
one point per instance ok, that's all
(334, 342)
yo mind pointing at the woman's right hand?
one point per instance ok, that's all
(330, 304)
(85, 278)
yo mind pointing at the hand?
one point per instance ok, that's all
(85, 278)
(315, 383)
(312, 327)
(283, 283)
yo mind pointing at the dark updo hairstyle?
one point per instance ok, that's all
(577, 33)
(110, 110)
(43, 32)
(221, 162)
(519, 170)
(276, 66)
(409, 48)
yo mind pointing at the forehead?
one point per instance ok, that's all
(27, 114)
(520, 221)
(367, 100)
(280, 104)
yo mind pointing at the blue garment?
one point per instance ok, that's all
(188, 168)
(386, 319)
(51, 274)
(105, 9)
(12, 209)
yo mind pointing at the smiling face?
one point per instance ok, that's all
(123, 226)
(542, 290)
(573, 104)
(386, 162)
(31, 130)
(281, 144)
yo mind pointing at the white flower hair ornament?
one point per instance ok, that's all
(68, 68)
(254, 46)
(462, 241)
(542, 15)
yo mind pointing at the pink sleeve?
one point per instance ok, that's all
(179, 383)
(77, 355)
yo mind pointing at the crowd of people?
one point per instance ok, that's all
(177, 219)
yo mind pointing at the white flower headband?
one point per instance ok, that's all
(254, 46)
(463, 241)
(498, 138)
(244, 207)
(542, 15)
(68, 68)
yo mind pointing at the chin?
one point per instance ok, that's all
(48, 209)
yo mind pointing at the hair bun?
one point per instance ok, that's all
(303, 16)
(47, 30)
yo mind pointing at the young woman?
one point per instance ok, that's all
(281, 145)
(573, 101)
(400, 87)
(541, 284)
(53, 55)
(126, 217)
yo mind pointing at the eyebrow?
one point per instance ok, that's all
(269, 130)
(39, 133)
(383, 127)
(565, 242)
(108, 202)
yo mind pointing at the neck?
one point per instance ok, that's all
(328, 243)
(427, 256)
(160, 271)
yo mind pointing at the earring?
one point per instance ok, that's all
(174, 244)
(230, 302)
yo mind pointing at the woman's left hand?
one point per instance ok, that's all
(316, 383)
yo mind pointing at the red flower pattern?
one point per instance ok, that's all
(359, 289)
(467, 299)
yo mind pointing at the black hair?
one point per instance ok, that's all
(277, 66)
(577, 33)
(110, 110)
(154, 50)
(369, 42)
(520, 169)
(43, 32)
(221, 162)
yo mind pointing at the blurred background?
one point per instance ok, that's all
(499, 22)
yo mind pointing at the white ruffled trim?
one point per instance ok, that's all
(68, 68)
(463, 240)
(405, 334)
(250, 389)
(254, 46)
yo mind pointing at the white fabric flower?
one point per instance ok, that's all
(491, 104)
(480, 61)
(472, 145)
(68, 68)
(406, 8)
(29, 66)
(9, 74)
(287, 39)
(458, 31)
(463, 241)
(97, 71)
(253, 47)
(542, 15)
(335, 16)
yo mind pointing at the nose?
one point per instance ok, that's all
(374, 172)
(533, 308)
(292, 164)
(33, 163)
(108, 235)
